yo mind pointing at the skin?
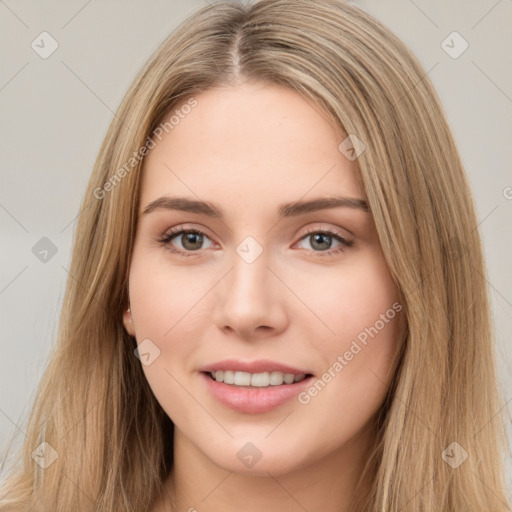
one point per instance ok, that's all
(292, 304)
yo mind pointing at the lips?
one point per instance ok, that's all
(249, 399)
(259, 366)
(253, 400)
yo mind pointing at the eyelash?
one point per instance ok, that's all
(172, 233)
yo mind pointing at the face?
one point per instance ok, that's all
(226, 280)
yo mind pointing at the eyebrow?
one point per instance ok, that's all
(292, 209)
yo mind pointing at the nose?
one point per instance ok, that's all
(250, 300)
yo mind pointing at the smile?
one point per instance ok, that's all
(248, 399)
(257, 380)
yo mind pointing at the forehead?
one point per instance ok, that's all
(258, 141)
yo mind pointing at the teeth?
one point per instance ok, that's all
(257, 380)
(228, 377)
(242, 379)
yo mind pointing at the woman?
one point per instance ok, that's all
(276, 299)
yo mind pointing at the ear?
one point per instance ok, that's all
(128, 322)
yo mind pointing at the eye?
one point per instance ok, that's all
(190, 240)
(321, 241)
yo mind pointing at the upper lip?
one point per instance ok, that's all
(258, 366)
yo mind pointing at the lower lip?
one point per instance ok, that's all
(254, 400)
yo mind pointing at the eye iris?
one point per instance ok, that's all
(319, 238)
(193, 238)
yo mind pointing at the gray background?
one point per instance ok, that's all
(55, 113)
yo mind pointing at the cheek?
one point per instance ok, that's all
(165, 297)
(352, 301)
(362, 312)
(167, 313)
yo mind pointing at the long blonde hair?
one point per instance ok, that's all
(94, 406)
